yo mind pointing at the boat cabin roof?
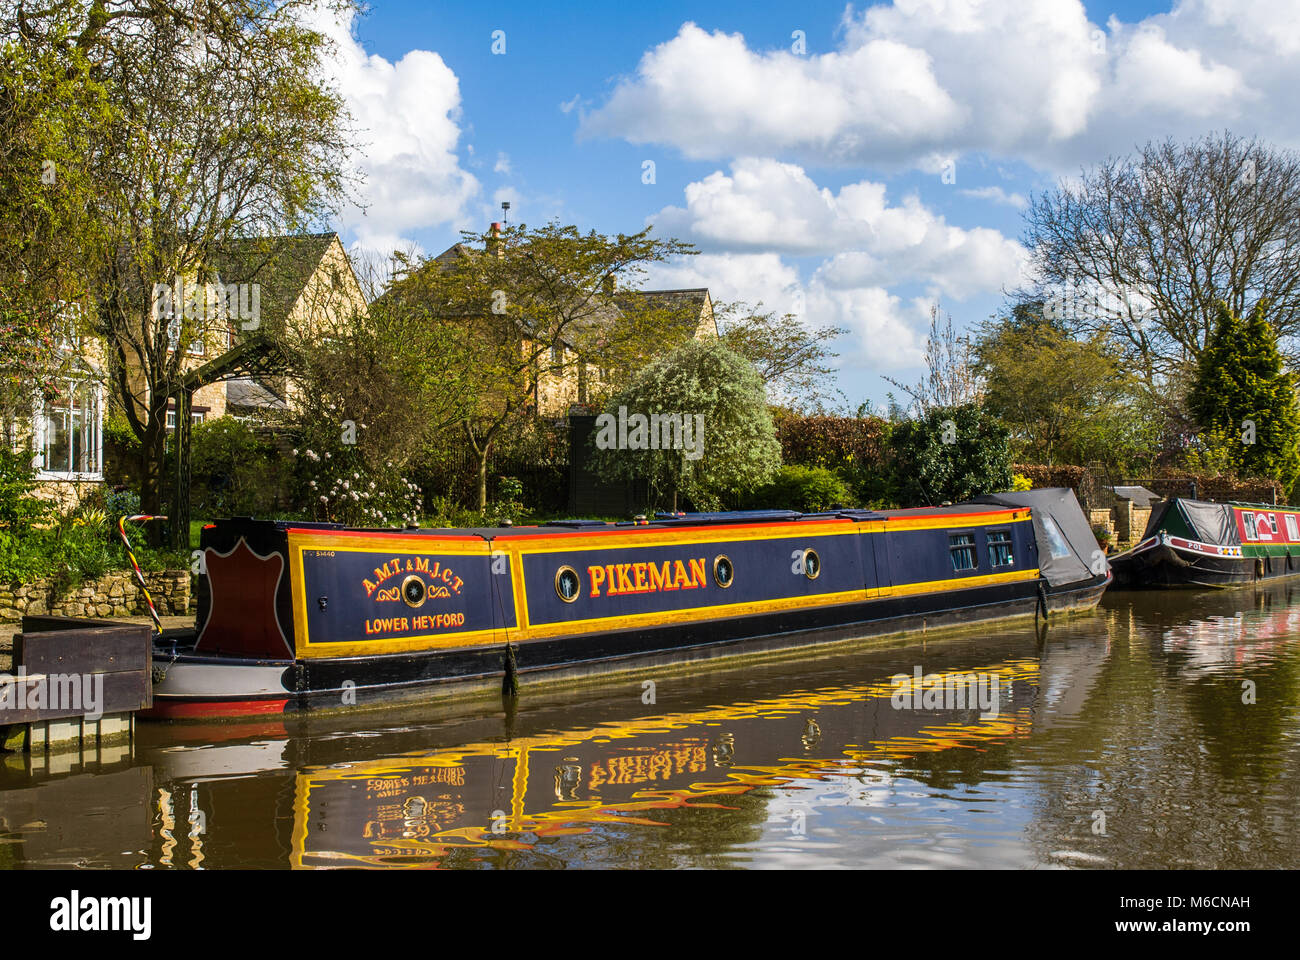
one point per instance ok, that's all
(660, 521)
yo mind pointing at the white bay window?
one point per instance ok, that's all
(69, 433)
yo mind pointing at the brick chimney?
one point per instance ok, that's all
(494, 238)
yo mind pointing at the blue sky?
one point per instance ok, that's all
(855, 180)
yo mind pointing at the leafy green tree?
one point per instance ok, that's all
(1244, 402)
(50, 107)
(950, 454)
(730, 446)
(209, 120)
(539, 307)
(1066, 399)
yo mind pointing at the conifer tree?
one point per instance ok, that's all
(1243, 400)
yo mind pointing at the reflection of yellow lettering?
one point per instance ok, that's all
(656, 765)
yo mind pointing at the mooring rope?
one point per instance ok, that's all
(135, 564)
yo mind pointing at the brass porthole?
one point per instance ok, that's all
(414, 592)
(812, 564)
(724, 574)
(567, 584)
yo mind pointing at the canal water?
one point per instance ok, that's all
(1163, 731)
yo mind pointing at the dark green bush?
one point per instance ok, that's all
(232, 470)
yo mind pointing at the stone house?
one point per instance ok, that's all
(304, 283)
(565, 381)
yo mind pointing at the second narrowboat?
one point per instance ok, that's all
(1196, 543)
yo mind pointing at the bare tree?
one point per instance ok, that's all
(1148, 244)
(793, 359)
(952, 380)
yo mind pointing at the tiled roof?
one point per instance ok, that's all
(280, 265)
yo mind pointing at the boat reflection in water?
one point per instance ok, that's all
(1140, 711)
(475, 801)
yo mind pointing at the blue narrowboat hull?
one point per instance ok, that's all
(315, 615)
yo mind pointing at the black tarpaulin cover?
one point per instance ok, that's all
(1195, 519)
(1067, 550)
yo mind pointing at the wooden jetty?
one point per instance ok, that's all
(75, 684)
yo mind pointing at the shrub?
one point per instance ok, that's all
(75, 547)
(733, 449)
(953, 454)
(337, 483)
(508, 505)
(806, 489)
(121, 503)
(18, 507)
(231, 470)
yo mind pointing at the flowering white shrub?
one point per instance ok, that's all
(340, 486)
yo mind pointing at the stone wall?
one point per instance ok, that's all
(1101, 518)
(1140, 517)
(115, 594)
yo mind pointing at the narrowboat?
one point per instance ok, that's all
(1195, 543)
(316, 615)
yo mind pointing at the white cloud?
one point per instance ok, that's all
(885, 335)
(751, 277)
(917, 81)
(408, 113)
(765, 205)
(997, 195)
(503, 163)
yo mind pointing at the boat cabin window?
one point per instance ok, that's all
(1000, 548)
(1057, 547)
(1272, 522)
(1248, 521)
(962, 548)
(1291, 532)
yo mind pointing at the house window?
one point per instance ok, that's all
(196, 417)
(196, 347)
(1000, 548)
(962, 548)
(1291, 532)
(70, 433)
(1248, 521)
(557, 354)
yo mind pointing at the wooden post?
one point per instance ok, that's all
(180, 512)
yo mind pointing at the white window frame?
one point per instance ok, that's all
(1292, 528)
(39, 437)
